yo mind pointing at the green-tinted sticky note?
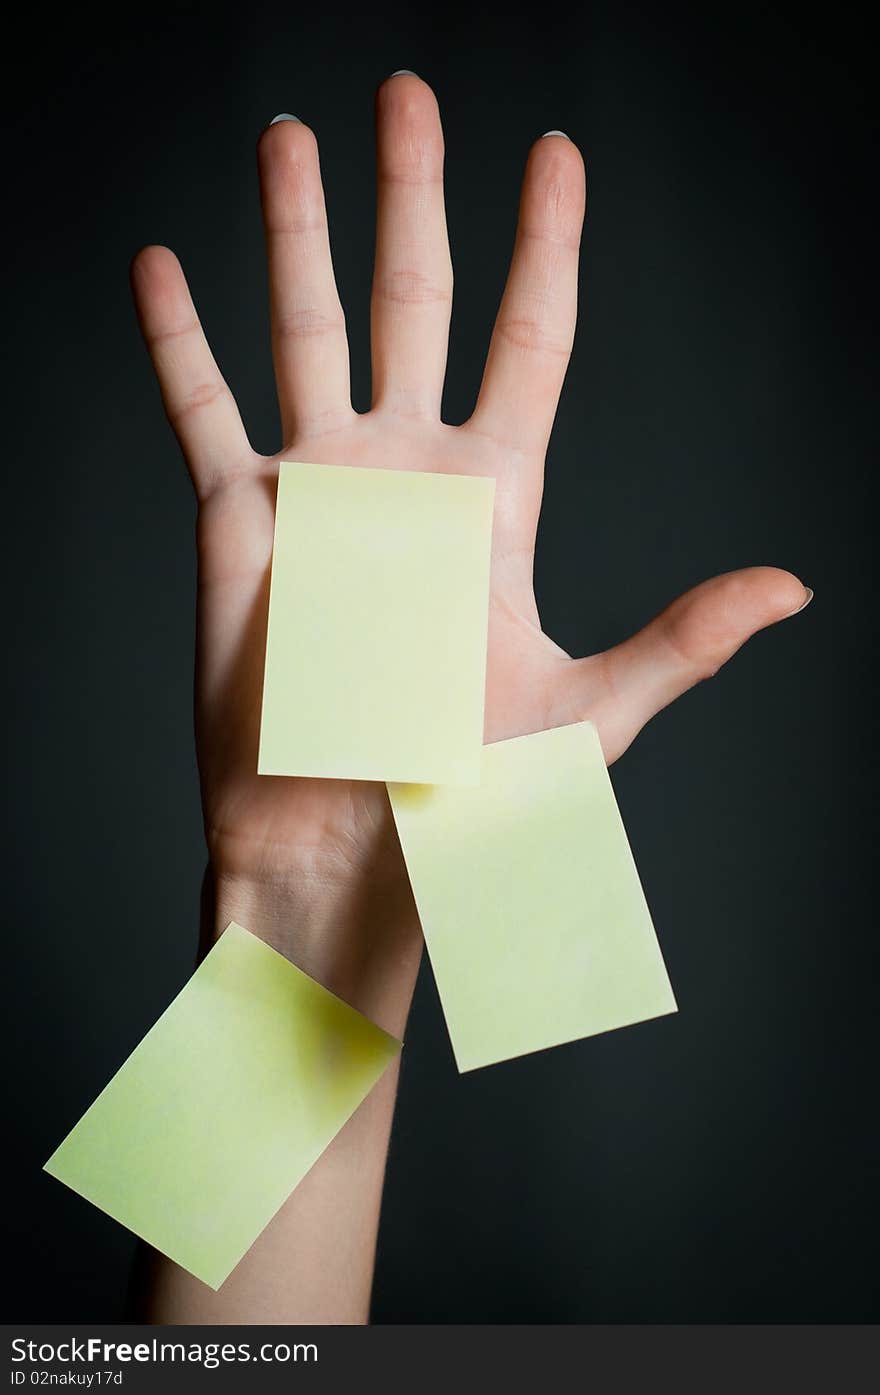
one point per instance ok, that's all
(224, 1106)
(529, 899)
(378, 611)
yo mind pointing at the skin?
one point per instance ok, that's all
(314, 866)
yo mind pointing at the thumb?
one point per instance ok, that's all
(686, 642)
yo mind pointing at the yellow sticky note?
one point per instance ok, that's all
(224, 1106)
(378, 611)
(530, 903)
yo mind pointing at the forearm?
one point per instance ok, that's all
(314, 1261)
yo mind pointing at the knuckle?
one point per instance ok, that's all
(410, 287)
(412, 165)
(698, 649)
(531, 335)
(196, 400)
(293, 212)
(307, 323)
(168, 335)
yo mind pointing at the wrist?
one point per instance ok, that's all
(359, 939)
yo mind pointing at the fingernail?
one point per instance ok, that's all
(555, 133)
(285, 116)
(808, 596)
(404, 72)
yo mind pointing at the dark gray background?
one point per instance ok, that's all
(716, 1166)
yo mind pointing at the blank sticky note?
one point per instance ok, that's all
(224, 1106)
(378, 611)
(530, 903)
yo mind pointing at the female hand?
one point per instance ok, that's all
(314, 865)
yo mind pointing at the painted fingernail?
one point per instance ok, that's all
(555, 133)
(808, 596)
(404, 72)
(284, 116)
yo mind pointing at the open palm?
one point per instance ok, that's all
(326, 838)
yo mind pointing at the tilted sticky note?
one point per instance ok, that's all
(378, 612)
(224, 1106)
(530, 903)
